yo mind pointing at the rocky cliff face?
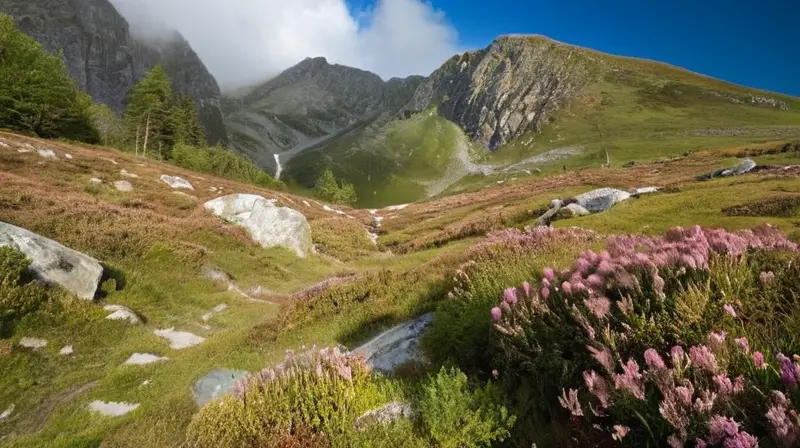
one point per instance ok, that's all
(511, 87)
(106, 61)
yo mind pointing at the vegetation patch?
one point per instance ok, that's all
(342, 238)
(782, 206)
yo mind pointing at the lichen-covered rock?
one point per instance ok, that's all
(53, 263)
(268, 224)
(601, 199)
(744, 166)
(176, 182)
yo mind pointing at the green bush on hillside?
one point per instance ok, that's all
(18, 296)
(37, 95)
(342, 238)
(223, 163)
(329, 189)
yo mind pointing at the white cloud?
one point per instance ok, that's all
(243, 41)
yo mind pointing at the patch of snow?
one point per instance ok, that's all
(140, 359)
(48, 153)
(112, 409)
(217, 309)
(179, 339)
(34, 343)
(7, 413)
(66, 350)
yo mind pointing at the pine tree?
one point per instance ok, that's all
(328, 189)
(36, 94)
(148, 109)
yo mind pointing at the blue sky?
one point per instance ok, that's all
(753, 43)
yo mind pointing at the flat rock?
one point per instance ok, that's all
(647, 190)
(601, 199)
(33, 343)
(176, 182)
(215, 384)
(396, 346)
(66, 350)
(267, 224)
(179, 339)
(112, 409)
(217, 309)
(123, 186)
(119, 312)
(140, 359)
(385, 414)
(54, 263)
(742, 167)
(47, 153)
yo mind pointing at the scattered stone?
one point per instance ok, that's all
(388, 413)
(24, 150)
(7, 413)
(68, 156)
(66, 350)
(647, 190)
(177, 182)
(215, 384)
(146, 383)
(332, 210)
(33, 343)
(95, 180)
(394, 208)
(179, 339)
(125, 173)
(396, 346)
(744, 166)
(556, 203)
(54, 263)
(601, 199)
(114, 162)
(217, 309)
(306, 204)
(140, 359)
(4, 144)
(120, 312)
(47, 153)
(112, 409)
(576, 210)
(123, 186)
(268, 224)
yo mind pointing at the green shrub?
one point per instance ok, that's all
(223, 163)
(18, 297)
(454, 417)
(342, 238)
(781, 206)
(327, 188)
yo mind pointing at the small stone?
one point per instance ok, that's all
(24, 150)
(120, 312)
(112, 409)
(176, 182)
(647, 190)
(123, 186)
(7, 413)
(217, 309)
(68, 156)
(179, 339)
(47, 153)
(146, 383)
(67, 350)
(125, 173)
(4, 144)
(112, 161)
(95, 180)
(33, 343)
(140, 359)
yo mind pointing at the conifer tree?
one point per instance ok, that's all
(147, 113)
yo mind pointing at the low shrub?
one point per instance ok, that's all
(18, 295)
(342, 238)
(223, 163)
(782, 206)
(635, 301)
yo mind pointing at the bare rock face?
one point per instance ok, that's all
(54, 263)
(509, 88)
(106, 61)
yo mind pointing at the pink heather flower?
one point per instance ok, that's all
(721, 428)
(684, 394)
(703, 357)
(767, 277)
(741, 440)
(497, 313)
(603, 356)
(625, 305)
(526, 288)
(510, 296)
(599, 306)
(578, 287)
(582, 265)
(583, 322)
(676, 441)
(653, 359)
(715, 340)
(724, 384)
(567, 288)
(701, 443)
(743, 345)
(658, 285)
(549, 274)
(545, 293)
(676, 353)
(598, 387)
(545, 283)
(620, 432)
(738, 384)
(729, 309)
(758, 360)
(783, 422)
(595, 281)
(630, 380)
(505, 306)
(570, 402)
(705, 403)
(673, 413)
(789, 374)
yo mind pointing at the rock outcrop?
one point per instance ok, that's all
(53, 263)
(744, 166)
(396, 346)
(268, 224)
(106, 60)
(176, 182)
(601, 199)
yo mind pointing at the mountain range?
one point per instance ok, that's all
(521, 105)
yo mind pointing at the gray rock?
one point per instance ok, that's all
(140, 359)
(112, 409)
(54, 263)
(126, 173)
(119, 312)
(123, 186)
(179, 340)
(47, 153)
(176, 182)
(744, 166)
(95, 180)
(215, 384)
(576, 210)
(647, 190)
(385, 414)
(396, 346)
(601, 199)
(33, 343)
(66, 350)
(268, 224)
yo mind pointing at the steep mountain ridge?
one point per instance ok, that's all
(106, 60)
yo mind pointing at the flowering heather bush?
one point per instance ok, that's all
(320, 392)
(646, 327)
